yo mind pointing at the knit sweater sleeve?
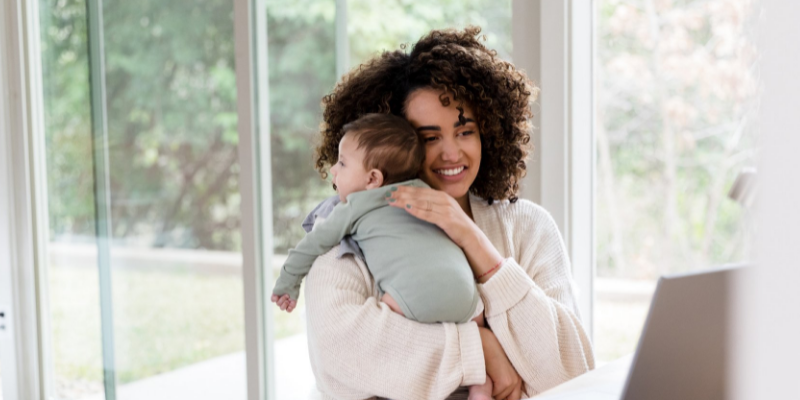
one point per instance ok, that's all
(530, 305)
(359, 348)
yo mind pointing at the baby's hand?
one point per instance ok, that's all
(284, 302)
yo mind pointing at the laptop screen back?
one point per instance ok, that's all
(682, 352)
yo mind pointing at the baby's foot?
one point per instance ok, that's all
(480, 396)
(481, 392)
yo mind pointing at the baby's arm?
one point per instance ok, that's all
(325, 236)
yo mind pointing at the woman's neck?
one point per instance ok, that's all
(463, 201)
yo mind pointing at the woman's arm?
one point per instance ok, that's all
(530, 304)
(440, 209)
(360, 348)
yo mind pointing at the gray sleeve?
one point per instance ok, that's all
(323, 209)
(319, 241)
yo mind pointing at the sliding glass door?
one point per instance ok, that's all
(144, 285)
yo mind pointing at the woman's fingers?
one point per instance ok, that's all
(436, 207)
(406, 194)
(503, 394)
(516, 394)
(418, 208)
(426, 204)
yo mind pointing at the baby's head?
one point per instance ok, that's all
(376, 150)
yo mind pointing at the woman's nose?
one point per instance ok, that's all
(450, 151)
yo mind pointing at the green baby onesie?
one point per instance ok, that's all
(412, 260)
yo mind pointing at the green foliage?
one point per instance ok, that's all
(171, 106)
(677, 99)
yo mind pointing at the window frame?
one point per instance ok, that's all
(553, 43)
(255, 180)
(23, 194)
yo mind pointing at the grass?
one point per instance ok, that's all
(163, 320)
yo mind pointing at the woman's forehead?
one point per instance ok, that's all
(426, 104)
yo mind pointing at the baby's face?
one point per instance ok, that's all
(349, 174)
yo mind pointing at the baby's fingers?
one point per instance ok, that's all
(282, 302)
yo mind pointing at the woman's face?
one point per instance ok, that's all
(452, 149)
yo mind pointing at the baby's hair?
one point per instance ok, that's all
(391, 145)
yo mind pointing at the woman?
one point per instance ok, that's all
(473, 111)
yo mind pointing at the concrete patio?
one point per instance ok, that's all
(223, 378)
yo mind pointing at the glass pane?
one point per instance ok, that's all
(302, 68)
(176, 246)
(175, 203)
(676, 121)
(73, 290)
(370, 33)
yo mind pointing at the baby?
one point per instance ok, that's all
(420, 273)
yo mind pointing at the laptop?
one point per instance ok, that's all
(683, 349)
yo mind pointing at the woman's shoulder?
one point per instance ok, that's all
(520, 214)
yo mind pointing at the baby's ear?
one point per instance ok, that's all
(374, 179)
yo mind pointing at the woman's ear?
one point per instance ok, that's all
(374, 179)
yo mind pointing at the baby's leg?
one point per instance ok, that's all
(479, 319)
(481, 392)
(389, 300)
(479, 314)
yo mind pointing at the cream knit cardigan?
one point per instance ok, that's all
(359, 348)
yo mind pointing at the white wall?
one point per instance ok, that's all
(768, 330)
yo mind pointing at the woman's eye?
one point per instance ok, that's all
(341, 163)
(430, 139)
(465, 133)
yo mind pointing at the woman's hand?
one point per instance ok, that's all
(507, 383)
(442, 210)
(436, 207)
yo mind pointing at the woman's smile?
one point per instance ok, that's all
(451, 173)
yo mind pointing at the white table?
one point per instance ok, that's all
(604, 383)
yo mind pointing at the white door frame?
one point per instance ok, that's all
(252, 86)
(23, 206)
(553, 43)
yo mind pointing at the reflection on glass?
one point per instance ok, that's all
(676, 91)
(175, 255)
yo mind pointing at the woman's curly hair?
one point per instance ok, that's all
(457, 63)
